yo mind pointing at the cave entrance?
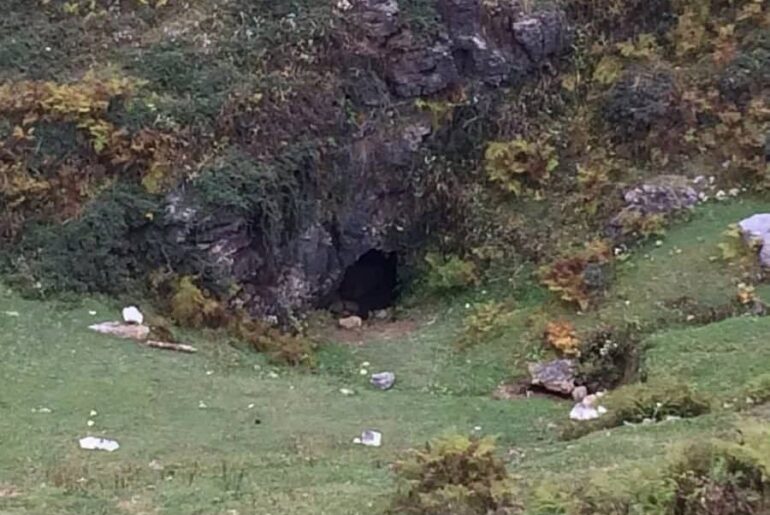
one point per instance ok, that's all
(371, 283)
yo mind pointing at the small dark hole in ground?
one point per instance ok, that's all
(370, 284)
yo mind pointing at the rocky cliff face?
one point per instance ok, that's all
(366, 200)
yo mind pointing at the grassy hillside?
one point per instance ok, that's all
(222, 431)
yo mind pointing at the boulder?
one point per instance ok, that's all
(756, 228)
(557, 376)
(663, 195)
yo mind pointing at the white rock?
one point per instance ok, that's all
(132, 315)
(579, 393)
(92, 443)
(351, 323)
(383, 380)
(582, 412)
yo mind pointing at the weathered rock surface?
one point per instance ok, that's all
(557, 376)
(364, 199)
(663, 195)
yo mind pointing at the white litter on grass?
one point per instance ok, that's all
(132, 315)
(369, 438)
(347, 392)
(93, 413)
(90, 423)
(92, 313)
(92, 443)
(41, 410)
(363, 372)
(11, 313)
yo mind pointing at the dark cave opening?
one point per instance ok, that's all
(370, 284)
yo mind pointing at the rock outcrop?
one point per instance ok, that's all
(366, 201)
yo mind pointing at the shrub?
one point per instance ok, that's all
(609, 357)
(724, 478)
(578, 278)
(562, 337)
(280, 347)
(449, 273)
(191, 307)
(513, 164)
(108, 249)
(642, 402)
(454, 475)
(485, 322)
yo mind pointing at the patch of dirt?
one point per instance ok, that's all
(382, 330)
(8, 491)
(521, 389)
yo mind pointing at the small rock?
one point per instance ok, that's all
(132, 315)
(383, 380)
(579, 393)
(556, 376)
(350, 323)
(381, 314)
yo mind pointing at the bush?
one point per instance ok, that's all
(280, 347)
(562, 337)
(724, 478)
(454, 475)
(191, 307)
(108, 249)
(580, 277)
(450, 273)
(609, 357)
(642, 402)
(514, 164)
(485, 322)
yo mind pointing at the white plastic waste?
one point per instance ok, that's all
(369, 438)
(132, 315)
(92, 443)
